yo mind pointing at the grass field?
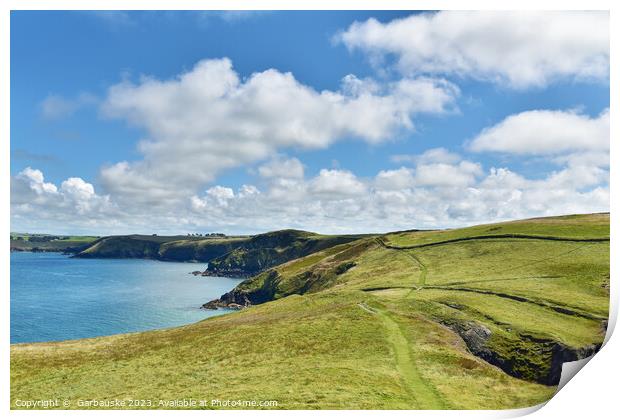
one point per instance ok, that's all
(49, 243)
(476, 323)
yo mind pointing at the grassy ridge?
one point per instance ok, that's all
(474, 324)
(50, 243)
(174, 248)
(233, 255)
(568, 227)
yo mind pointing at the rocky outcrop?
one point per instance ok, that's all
(226, 272)
(528, 357)
(217, 304)
(475, 337)
(231, 300)
(253, 291)
(268, 250)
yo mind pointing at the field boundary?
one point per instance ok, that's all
(499, 236)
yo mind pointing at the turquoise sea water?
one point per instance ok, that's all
(54, 297)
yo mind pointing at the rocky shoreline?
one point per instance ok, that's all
(230, 273)
(234, 299)
(231, 300)
(216, 304)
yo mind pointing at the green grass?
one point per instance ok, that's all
(66, 243)
(422, 392)
(571, 227)
(516, 316)
(361, 326)
(573, 275)
(319, 351)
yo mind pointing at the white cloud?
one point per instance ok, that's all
(437, 188)
(35, 181)
(209, 119)
(433, 168)
(78, 188)
(457, 195)
(579, 144)
(79, 192)
(248, 191)
(282, 168)
(444, 174)
(37, 201)
(504, 195)
(426, 195)
(394, 179)
(440, 190)
(517, 48)
(437, 155)
(336, 183)
(545, 132)
(221, 194)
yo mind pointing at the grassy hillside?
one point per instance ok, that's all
(142, 246)
(50, 243)
(229, 256)
(578, 227)
(270, 249)
(473, 323)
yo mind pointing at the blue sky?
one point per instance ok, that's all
(66, 124)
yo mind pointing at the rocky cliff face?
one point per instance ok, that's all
(262, 252)
(278, 282)
(228, 257)
(532, 358)
(241, 297)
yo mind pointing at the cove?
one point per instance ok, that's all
(55, 297)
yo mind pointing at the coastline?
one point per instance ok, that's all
(85, 300)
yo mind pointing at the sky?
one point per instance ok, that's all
(337, 121)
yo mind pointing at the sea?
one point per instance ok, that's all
(55, 297)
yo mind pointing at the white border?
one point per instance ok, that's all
(592, 395)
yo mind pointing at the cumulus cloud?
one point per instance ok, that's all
(445, 195)
(34, 180)
(209, 119)
(221, 194)
(282, 168)
(37, 202)
(579, 144)
(336, 183)
(436, 188)
(435, 191)
(545, 132)
(398, 179)
(516, 48)
(444, 174)
(439, 188)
